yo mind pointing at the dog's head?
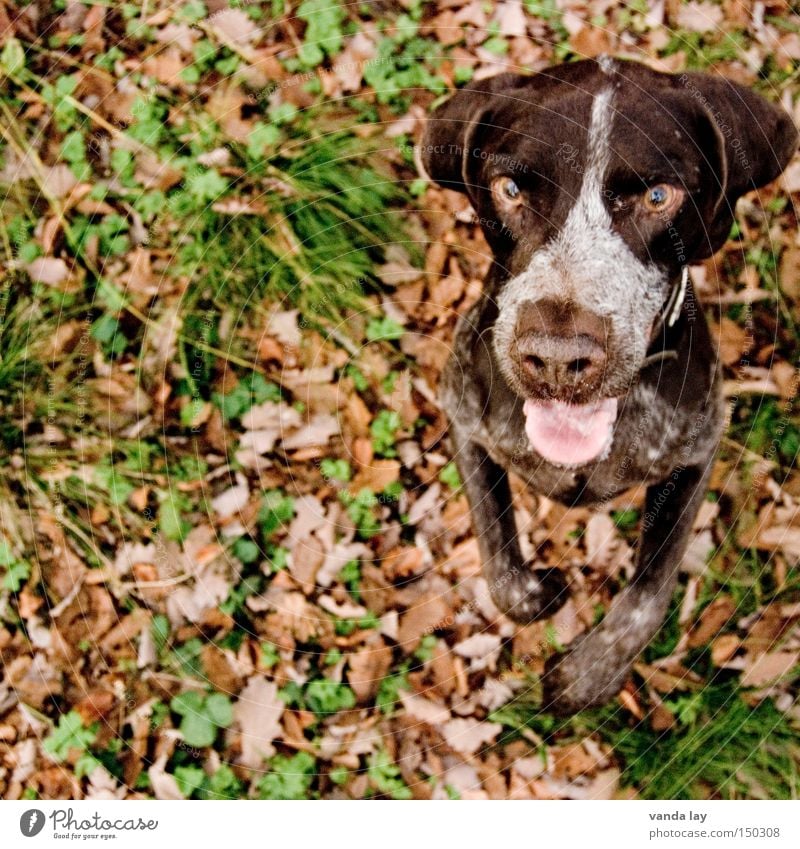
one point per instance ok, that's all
(596, 183)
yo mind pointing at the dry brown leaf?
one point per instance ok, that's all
(234, 26)
(510, 18)
(700, 17)
(349, 66)
(782, 538)
(231, 501)
(468, 736)
(376, 476)
(572, 760)
(481, 649)
(166, 67)
(428, 615)
(724, 648)
(49, 270)
(666, 680)
(712, 620)
(367, 668)
(591, 41)
(257, 713)
(282, 324)
(606, 550)
(306, 556)
(163, 783)
(661, 719)
(763, 668)
(318, 431)
(567, 623)
(733, 340)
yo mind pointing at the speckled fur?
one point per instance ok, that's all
(671, 411)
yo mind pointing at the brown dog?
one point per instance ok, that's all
(586, 367)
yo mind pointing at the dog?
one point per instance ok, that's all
(586, 367)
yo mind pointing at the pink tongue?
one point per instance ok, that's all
(570, 434)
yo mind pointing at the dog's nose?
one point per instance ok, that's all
(560, 346)
(560, 361)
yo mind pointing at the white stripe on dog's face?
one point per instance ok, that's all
(588, 265)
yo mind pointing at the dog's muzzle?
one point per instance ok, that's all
(561, 356)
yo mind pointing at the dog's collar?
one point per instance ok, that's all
(676, 298)
(668, 330)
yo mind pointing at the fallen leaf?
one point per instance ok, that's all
(724, 648)
(783, 538)
(766, 667)
(606, 550)
(429, 614)
(231, 501)
(318, 431)
(467, 736)
(49, 270)
(367, 668)
(510, 18)
(712, 620)
(257, 713)
(162, 783)
(234, 25)
(700, 17)
(572, 760)
(481, 649)
(733, 340)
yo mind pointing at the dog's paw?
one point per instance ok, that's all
(531, 594)
(581, 678)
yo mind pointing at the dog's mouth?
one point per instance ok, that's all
(570, 434)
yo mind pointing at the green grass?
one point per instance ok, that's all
(295, 218)
(723, 743)
(328, 219)
(721, 747)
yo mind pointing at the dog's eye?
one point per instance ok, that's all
(661, 197)
(506, 191)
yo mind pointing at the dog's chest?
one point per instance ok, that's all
(650, 439)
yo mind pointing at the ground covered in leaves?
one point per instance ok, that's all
(235, 560)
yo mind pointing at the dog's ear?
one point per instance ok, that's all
(750, 143)
(759, 138)
(441, 156)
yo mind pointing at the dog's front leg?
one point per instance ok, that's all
(521, 592)
(594, 669)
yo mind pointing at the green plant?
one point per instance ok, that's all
(388, 692)
(720, 746)
(248, 392)
(223, 784)
(385, 776)
(276, 510)
(16, 571)
(288, 778)
(202, 716)
(70, 734)
(323, 36)
(403, 63)
(325, 697)
(338, 470)
(170, 519)
(767, 429)
(361, 510)
(384, 429)
(23, 327)
(449, 476)
(350, 576)
(384, 329)
(189, 779)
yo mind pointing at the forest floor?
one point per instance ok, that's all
(235, 558)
